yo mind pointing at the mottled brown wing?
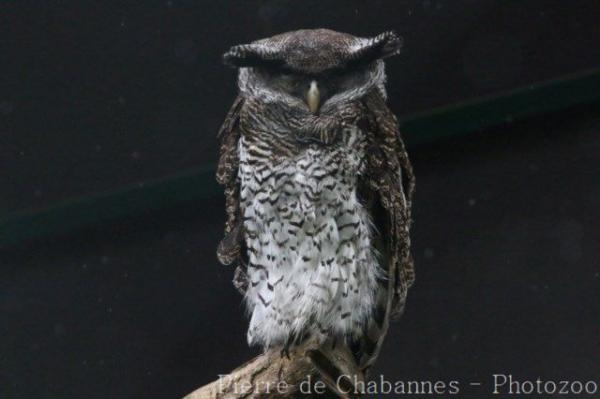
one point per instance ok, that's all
(230, 247)
(387, 187)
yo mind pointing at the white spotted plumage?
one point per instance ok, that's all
(312, 270)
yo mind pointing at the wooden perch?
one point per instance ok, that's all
(327, 371)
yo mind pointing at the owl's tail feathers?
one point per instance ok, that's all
(391, 299)
(367, 347)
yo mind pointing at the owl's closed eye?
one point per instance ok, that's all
(313, 89)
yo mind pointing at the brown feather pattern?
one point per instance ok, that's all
(387, 165)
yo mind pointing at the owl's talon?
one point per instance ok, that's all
(334, 343)
(285, 351)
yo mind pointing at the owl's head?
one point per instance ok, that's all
(315, 69)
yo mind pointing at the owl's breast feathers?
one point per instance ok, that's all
(311, 266)
(299, 209)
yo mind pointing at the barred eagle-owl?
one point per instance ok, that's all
(318, 190)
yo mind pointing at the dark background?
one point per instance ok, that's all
(96, 96)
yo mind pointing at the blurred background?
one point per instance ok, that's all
(110, 216)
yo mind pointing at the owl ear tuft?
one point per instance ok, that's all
(381, 46)
(249, 55)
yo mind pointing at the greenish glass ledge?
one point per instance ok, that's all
(473, 115)
(426, 127)
(89, 211)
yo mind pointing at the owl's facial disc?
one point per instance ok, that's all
(314, 91)
(313, 97)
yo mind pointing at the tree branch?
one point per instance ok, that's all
(311, 369)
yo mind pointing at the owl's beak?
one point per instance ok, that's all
(313, 98)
